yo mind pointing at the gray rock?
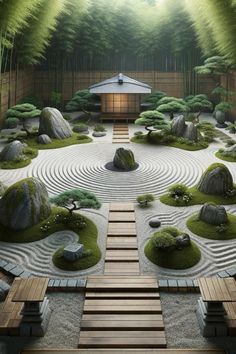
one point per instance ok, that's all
(53, 124)
(183, 130)
(44, 139)
(11, 151)
(124, 159)
(217, 180)
(182, 241)
(213, 214)
(191, 132)
(178, 126)
(24, 204)
(232, 130)
(220, 117)
(73, 252)
(98, 134)
(4, 288)
(154, 222)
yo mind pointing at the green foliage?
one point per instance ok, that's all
(31, 44)
(11, 123)
(55, 98)
(216, 65)
(23, 111)
(224, 106)
(163, 241)
(153, 98)
(21, 161)
(76, 199)
(33, 100)
(145, 199)
(82, 100)
(172, 105)
(199, 103)
(179, 192)
(152, 119)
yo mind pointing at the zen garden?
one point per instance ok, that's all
(117, 176)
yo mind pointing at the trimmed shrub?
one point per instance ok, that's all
(163, 241)
(145, 199)
(11, 123)
(99, 128)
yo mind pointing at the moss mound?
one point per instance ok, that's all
(225, 157)
(176, 259)
(25, 160)
(166, 249)
(199, 198)
(170, 140)
(209, 231)
(58, 143)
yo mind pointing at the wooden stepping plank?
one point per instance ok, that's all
(120, 132)
(122, 268)
(126, 255)
(121, 246)
(122, 317)
(127, 342)
(120, 141)
(121, 302)
(121, 207)
(121, 295)
(120, 136)
(123, 334)
(122, 225)
(115, 216)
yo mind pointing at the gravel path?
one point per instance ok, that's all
(182, 329)
(63, 330)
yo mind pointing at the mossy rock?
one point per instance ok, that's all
(212, 232)
(124, 159)
(216, 180)
(24, 204)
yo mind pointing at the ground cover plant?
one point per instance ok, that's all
(21, 161)
(170, 248)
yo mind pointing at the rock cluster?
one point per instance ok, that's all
(217, 180)
(24, 204)
(183, 130)
(53, 124)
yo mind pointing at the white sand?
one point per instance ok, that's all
(182, 329)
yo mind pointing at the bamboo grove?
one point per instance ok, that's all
(32, 29)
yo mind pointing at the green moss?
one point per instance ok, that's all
(18, 163)
(87, 236)
(199, 198)
(206, 230)
(176, 259)
(225, 158)
(176, 144)
(56, 143)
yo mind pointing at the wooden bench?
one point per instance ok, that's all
(10, 312)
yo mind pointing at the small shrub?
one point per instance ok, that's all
(99, 128)
(145, 199)
(164, 241)
(173, 231)
(179, 192)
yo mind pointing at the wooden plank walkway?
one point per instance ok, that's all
(122, 312)
(122, 351)
(122, 249)
(120, 134)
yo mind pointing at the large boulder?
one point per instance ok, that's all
(53, 124)
(11, 151)
(24, 204)
(217, 180)
(178, 126)
(124, 159)
(183, 130)
(213, 214)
